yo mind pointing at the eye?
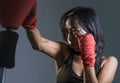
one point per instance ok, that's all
(75, 32)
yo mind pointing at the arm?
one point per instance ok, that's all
(108, 68)
(56, 50)
(106, 74)
(87, 46)
(90, 76)
(38, 42)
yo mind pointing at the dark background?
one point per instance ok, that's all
(35, 67)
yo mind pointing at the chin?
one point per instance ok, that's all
(76, 49)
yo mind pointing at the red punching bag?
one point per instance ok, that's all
(13, 12)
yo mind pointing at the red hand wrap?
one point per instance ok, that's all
(31, 21)
(87, 46)
(13, 12)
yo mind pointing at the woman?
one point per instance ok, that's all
(81, 59)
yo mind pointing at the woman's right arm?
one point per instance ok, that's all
(54, 49)
(38, 42)
(49, 47)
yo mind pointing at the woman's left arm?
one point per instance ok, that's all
(89, 75)
(87, 45)
(106, 74)
(109, 64)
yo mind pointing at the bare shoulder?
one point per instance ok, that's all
(65, 51)
(109, 59)
(108, 69)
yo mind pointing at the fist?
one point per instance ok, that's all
(30, 21)
(87, 47)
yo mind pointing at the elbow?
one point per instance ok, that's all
(36, 48)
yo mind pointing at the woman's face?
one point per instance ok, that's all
(73, 34)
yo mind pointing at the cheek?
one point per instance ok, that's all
(74, 44)
(74, 41)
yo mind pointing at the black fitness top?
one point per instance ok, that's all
(67, 75)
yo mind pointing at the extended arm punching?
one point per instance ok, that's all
(38, 42)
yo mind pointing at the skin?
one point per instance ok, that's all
(59, 51)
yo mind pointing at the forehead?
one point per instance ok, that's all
(73, 26)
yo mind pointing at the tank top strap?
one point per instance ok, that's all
(70, 58)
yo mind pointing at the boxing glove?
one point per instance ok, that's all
(13, 12)
(87, 47)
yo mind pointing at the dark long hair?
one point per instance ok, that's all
(88, 20)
